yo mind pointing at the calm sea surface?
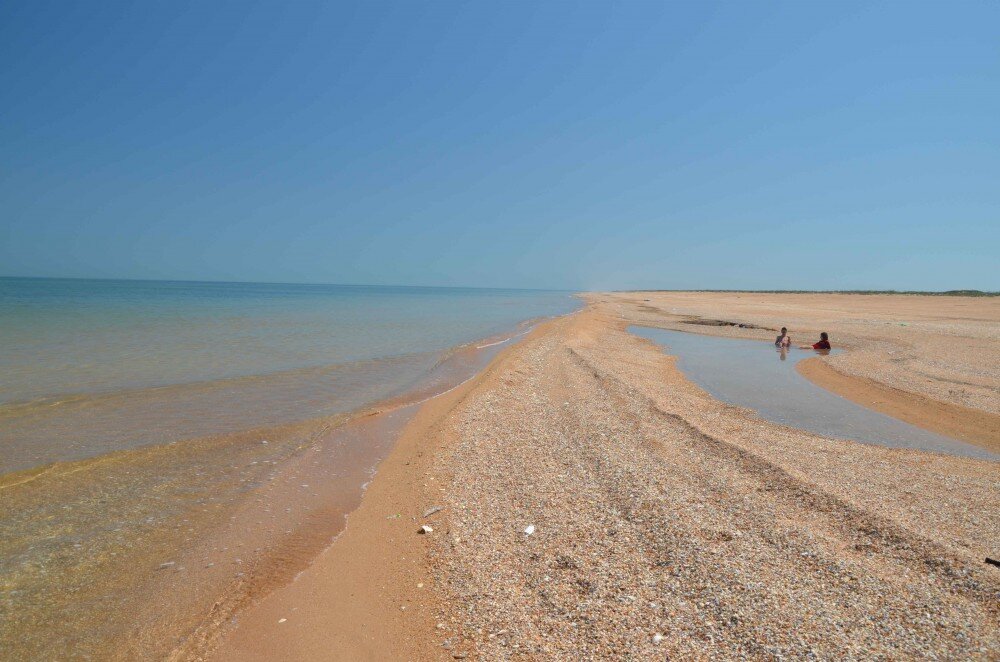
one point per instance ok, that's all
(93, 366)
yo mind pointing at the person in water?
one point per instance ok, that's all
(784, 340)
(824, 342)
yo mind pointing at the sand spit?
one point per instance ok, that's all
(665, 524)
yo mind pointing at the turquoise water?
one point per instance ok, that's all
(94, 366)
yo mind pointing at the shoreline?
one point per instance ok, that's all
(211, 548)
(398, 601)
(375, 432)
(378, 561)
(403, 598)
(969, 425)
(370, 434)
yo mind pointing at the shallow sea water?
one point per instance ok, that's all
(94, 366)
(171, 451)
(756, 375)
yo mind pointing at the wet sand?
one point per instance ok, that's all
(136, 550)
(947, 418)
(146, 553)
(666, 523)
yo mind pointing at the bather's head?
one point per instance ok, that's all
(823, 336)
(784, 330)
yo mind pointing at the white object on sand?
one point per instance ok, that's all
(531, 529)
(425, 529)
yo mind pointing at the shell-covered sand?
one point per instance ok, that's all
(666, 524)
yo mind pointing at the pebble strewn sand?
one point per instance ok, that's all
(668, 524)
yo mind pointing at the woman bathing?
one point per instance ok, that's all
(824, 343)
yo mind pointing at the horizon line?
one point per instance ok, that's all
(950, 292)
(266, 282)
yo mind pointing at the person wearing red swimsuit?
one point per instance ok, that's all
(824, 342)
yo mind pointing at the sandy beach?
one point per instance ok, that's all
(335, 331)
(667, 523)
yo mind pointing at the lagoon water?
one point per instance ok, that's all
(754, 374)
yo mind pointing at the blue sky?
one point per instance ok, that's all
(580, 145)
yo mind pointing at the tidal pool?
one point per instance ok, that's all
(756, 375)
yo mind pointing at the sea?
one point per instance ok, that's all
(157, 438)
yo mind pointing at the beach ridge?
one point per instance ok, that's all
(661, 521)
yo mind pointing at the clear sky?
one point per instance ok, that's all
(573, 145)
